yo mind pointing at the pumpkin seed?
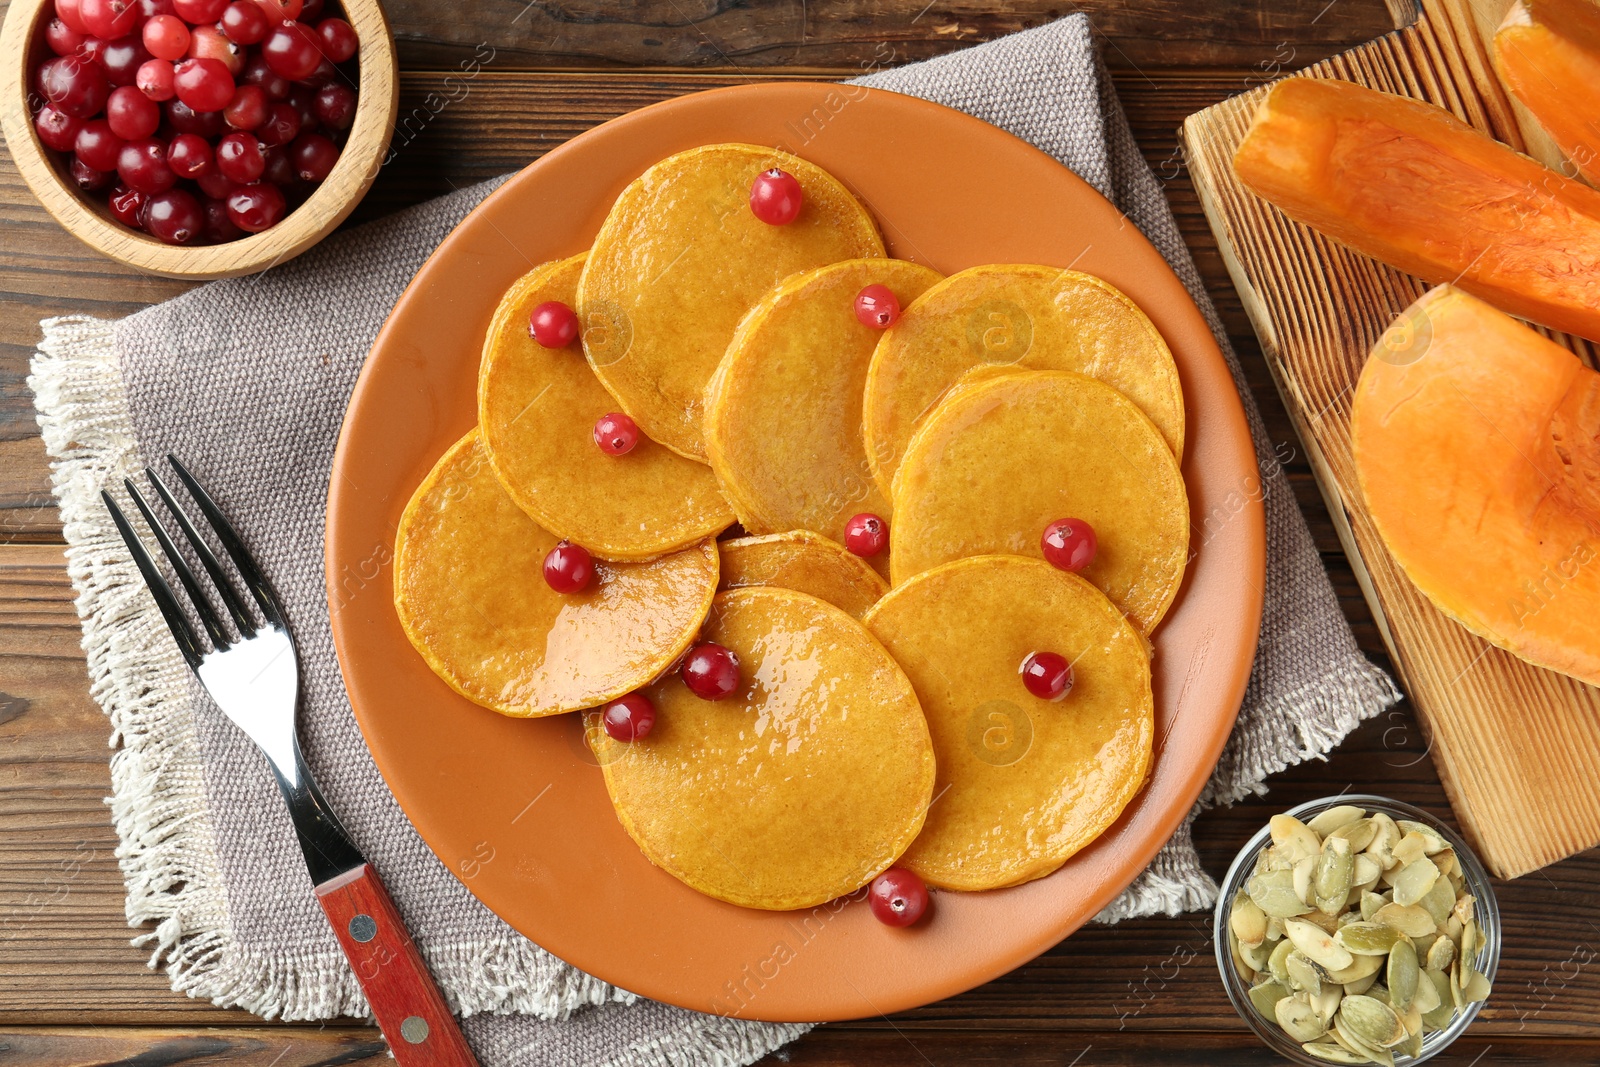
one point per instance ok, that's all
(1274, 927)
(1265, 996)
(1318, 945)
(1277, 963)
(1359, 834)
(1411, 1044)
(1455, 986)
(1401, 976)
(1434, 840)
(1273, 892)
(1470, 943)
(1409, 919)
(1370, 903)
(1328, 1052)
(1371, 1022)
(1466, 907)
(1361, 985)
(1298, 1018)
(1294, 839)
(1304, 976)
(1411, 848)
(1427, 997)
(1328, 820)
(1414, 881)
(1365, 872)
(1367, 938)
(1322, 919)
(1447, 862)
(1333, 875)
(1441, 954)
(1474, 986)
(1248, 921)
(1341, 1029)
(1387, 836)
(1440, 900)
(1304, 871)
(1255, 955)
(1361, 967)
(1439, 1017)
(1327, 1003)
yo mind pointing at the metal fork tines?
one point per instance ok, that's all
(251, 671)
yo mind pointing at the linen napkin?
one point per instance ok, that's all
(248, 379)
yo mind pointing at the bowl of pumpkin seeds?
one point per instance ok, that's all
(1357, 929)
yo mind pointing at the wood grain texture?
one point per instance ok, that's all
(1518, 748)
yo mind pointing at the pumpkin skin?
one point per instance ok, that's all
(1558, 80)
(1477, 447)
(1409, 184)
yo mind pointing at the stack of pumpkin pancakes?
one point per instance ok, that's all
(880, 719)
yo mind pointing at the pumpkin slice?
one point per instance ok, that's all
(805, 562)
(1577, 19)
(1007, 454)
(1477, 447)
(1411, 185)
(783, 412)
(470, 592)
(537, 407)
(1029, 316)
(1023, 783)
(679, 261)
(1556, 79)
(797, 788)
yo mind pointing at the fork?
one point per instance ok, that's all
(254, 678)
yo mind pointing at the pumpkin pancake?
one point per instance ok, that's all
(679, 261)
(1024, 783)
(470, 592)
(1007, 454)
(797, 788)
(538, 406)
(1028, 316)
(783, 412)
(805, 562)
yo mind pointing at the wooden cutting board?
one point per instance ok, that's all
(1518, 748)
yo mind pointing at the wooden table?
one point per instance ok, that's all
(72, 990)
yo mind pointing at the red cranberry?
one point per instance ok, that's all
(280, 10)
(866, 535)
(311, 11)
(303, 99)
(86, 177)
(208, 42)
(568, 568)
(711, 671)
(1069, 544)
(56, 128)
(70, 12)
(325, 74)
(335, 106)
(62, 39)
(553, 324)
(291, 50)
(313, 156)
(219, 228)
(154, 79)
(174, 216)
(189, 156)
(256, 207)
(239, 158)
(109, 19)
(199, 12)
(898, 897)
(775, 197)
(215, 184)
(74, 84)
(616, 434)
(92, 47)
(152, 8)
(132, 114)
(142, 165)
(877, 307)
(1047, 675)
(280, 171)
(281, 126)
(185, 119)
(256, 72)
(203, 84)
(629, 718)
(245, 23)
(338, 39)
(167, 37)
(127, 205)
(97, 145)
(121, 60)
(247, 109)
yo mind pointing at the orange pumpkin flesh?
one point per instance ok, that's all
(1409, 184)
(1556, 79)
(1477, 448)
(1579, 20)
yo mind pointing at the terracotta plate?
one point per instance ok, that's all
(517, 808)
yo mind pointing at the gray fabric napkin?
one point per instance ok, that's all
(248, 379)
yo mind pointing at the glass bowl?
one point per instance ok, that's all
(1474, 877)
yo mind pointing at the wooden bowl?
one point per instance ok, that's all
(22, 45)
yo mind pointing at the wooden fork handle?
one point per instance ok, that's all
(407, 1004)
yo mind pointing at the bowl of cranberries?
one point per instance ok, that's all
(198, 138)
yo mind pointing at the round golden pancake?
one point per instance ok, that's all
(1022, 315)
(805, 562)
(679, 261)
(1007, 454)
(1024, 783)
(537, 408)
(797, 788)
(470, 592)
(783, 412)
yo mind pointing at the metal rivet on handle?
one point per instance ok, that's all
(363, 928)
(414, 1029)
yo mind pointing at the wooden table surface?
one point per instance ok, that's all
(527, 76)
